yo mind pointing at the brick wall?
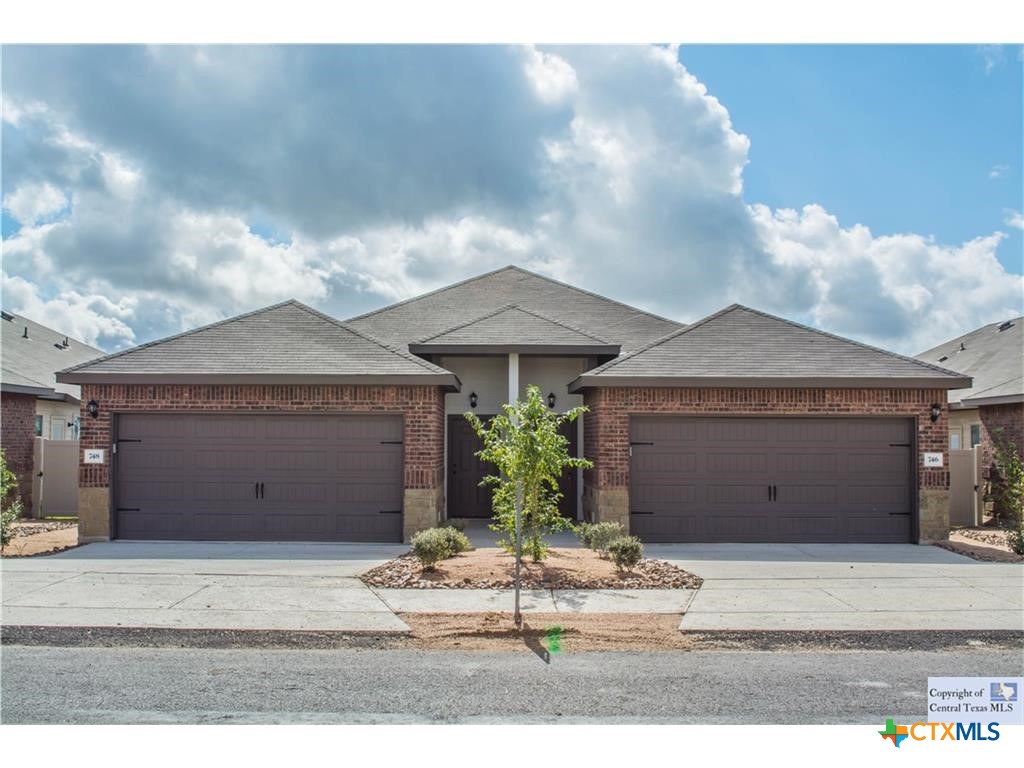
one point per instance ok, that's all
(422, 407)
(17, 430)
(1005, 422)
(606, 427)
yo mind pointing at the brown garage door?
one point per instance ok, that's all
(241, 477)
(770, 479)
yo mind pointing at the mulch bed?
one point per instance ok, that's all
(491, 568)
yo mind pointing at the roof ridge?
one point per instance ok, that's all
(861, 344)
(458, 326)
(562, 323)
(978, 393)
(403, 353)
(514, 268)
(181, 335)
(662, 339)
(429, 293)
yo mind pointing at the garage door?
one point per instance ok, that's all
(771, 479)
(258, 477)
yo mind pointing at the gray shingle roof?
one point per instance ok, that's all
(282, 343)
(743, 347)
(443, 309)
(993, 358)
(32, 363)
(513, 327)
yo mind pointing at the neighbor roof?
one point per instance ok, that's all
(992, 355)
(447, 308)
(739, 346)
(284, 343)
(32, 354)
(514, 329)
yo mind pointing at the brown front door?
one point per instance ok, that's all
(707, 479)
(246, 477)
(466, 498)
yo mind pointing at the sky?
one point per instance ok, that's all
(871, 191)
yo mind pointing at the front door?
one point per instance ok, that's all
(466, 498)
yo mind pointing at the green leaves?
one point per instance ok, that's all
(525, 445)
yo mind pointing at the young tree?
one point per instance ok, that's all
(1008, 489)
(527, 449)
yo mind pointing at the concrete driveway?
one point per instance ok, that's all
(846, 587)
(200, 585)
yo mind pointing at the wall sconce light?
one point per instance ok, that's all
(936, 411)
(551, 399)
(472, 399)
(94, 408)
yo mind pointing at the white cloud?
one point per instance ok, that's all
(30, 203)
(628, 180)
(94, 319)
(550, 76)
(997, 171)
(1014, 219)
(992, 56)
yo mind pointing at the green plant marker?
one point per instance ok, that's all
(554, 639)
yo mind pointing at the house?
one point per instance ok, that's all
(993, 406)
(285, 423)
(34, 403)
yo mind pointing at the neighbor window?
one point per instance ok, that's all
(975, 435)
(954, 441)
(39, 426)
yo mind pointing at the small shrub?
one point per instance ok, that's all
(430, 546)
(1015, 538)
(582, 532)
(603, 534)
(458, 525)
(626, 551)
(7, 518)
(457, 540)
(10, 504)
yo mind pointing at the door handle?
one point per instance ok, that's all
(769, 493)
(775, 493)
(262, 496)
(257, 490)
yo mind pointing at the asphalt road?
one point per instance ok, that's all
(150, 685)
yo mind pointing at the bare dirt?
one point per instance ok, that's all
(987, 544)
(50, 540)
(579, 632)
(564, 568)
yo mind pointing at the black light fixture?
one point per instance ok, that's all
(551, 399)
(472, 399)
(936, 411)
(94, 408)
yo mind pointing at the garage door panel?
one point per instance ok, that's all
(224, 427)
(663, 430)
(198, 478)
(737, 462)
(772, 479)
(809, 463)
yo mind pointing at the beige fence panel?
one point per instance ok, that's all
(964, 487)
(55, 478)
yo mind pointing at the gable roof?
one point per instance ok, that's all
(283, 343)
(742, 347)
(994, 358)
(32, 355)
(463, 302)
(513, 328)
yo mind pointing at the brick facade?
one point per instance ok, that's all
(17, 433)
(422, 407)
(606, 433)
(1000, 422)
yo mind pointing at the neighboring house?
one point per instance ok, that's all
(285, 423)
(993, 407)
(34, 403)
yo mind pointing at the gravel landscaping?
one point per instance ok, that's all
(41, 537)
(564, 568)
(985, 544)
(32, 527)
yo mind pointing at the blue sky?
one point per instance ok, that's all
(900, 138)
(874, 192)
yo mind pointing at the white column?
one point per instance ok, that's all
(513, 377)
